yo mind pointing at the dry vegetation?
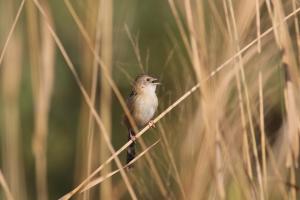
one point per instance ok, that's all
(229, 116)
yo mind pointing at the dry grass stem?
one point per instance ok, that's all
(263, 137)
(101, 64)
(11, 31)
(182, 98)
(88, 101)
(116, 91)
(5, 187)
(296, 21)
(228, 105)
(12, 157)
(257, 5)
(172, 160)
(45, 76)
(110, 174)
(247, 98)
(135, 46)
(105, 19)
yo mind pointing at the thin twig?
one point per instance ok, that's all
(178, 101)
(184, 96)
(116, 91)
(88, 101)
(263, 136)
(103, 178)
(3, 183)
(11, 31)
(257, 5)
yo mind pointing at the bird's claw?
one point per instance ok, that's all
(151, 124)
(133, 138)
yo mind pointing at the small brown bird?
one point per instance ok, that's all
(142, 104)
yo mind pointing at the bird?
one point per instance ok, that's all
(142, 104)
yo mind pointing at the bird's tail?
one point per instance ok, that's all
(131, 149)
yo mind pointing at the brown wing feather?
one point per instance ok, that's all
(130, 101)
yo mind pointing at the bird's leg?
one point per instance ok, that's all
(151, 124)
(132, 136)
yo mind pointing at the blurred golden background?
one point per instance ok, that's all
(229, 106)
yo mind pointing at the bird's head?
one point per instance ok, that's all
(145, 83)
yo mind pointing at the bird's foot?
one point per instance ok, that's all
(151, 124)
(133, 138)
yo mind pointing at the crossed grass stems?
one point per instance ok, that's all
(101, 64)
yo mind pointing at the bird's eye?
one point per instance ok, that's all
(148, 79)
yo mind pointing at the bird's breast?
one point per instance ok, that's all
(145, 107)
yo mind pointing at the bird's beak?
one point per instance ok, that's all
(155, 81)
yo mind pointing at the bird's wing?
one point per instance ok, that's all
(130, 102)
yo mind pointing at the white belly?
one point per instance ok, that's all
(145, 108)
